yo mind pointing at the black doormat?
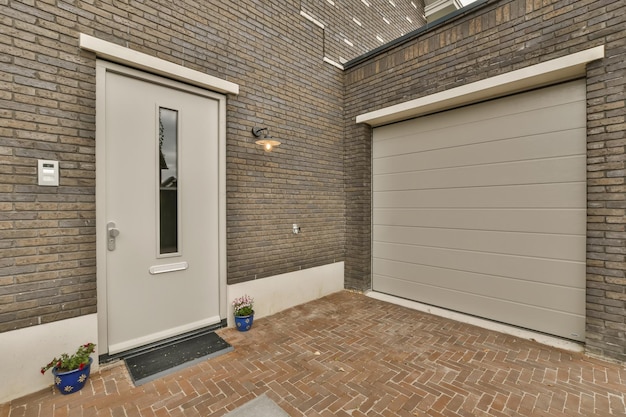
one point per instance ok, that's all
(164, 359)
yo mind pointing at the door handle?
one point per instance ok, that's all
(112, 233)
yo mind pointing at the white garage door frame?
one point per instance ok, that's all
(540, 75)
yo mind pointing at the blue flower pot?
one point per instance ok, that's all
(71, 381)
(244, 323)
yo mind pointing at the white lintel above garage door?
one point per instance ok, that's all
(482, 209)
(546, 73)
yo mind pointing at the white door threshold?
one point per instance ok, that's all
(542, 338)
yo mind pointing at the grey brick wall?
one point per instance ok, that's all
(498, 37)
(47, 111)
(47, 240)
(320, 177)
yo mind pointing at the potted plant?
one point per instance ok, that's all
(71, 371)
(244, 314)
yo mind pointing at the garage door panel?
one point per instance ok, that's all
(553, 170)
(534, 101)
(482, 209)
(530, 220)
(529, 269)
(551, 246)
(518, 196)
(490, 286)
(567, 325)
(518, 125)
(542, 146)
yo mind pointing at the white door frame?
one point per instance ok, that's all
(101, 242)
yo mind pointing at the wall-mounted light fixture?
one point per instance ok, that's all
(265, 139)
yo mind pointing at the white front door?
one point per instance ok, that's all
(160, 224)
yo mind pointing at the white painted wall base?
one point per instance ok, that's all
(23, 352)
(485, 324)
(280, 292)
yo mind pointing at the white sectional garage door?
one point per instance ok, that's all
(482, 209)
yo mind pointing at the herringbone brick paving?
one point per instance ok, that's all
(350, 355)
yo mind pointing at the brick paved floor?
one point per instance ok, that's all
(350, 355)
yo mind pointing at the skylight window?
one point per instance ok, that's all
(354, 19)
(365, 2)
(386, 20)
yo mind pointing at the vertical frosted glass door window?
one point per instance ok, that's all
(168, 181)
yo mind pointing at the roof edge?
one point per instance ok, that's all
(417, 32)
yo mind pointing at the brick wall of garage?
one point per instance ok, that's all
(47, 111)
(496, 37)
